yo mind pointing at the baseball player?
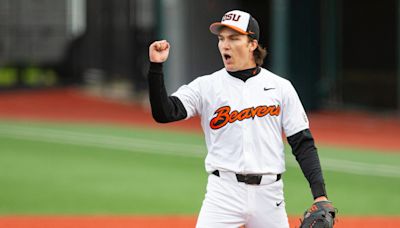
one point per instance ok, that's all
(244, 110)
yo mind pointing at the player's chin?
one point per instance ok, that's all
(229, 67)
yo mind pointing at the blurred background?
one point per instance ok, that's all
(339, 54)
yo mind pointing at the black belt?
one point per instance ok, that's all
(249, 178)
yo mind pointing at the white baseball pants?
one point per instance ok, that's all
(231, 204)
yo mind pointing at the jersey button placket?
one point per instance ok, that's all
(245, 128)
(240, 102)
(246, 147)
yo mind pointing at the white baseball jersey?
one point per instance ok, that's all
(244, 122)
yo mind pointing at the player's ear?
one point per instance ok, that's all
(253, 44)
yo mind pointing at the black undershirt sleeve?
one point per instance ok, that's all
(303, 148)
(164, 108)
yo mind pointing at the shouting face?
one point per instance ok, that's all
(236, 50)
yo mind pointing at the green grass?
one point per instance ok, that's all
(91, 169)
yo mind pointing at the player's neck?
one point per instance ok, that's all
(245, 74)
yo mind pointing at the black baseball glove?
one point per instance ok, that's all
(320, 215)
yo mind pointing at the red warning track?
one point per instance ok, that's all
(71, 105)
(163, 221)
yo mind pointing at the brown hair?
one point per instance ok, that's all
(259, 53)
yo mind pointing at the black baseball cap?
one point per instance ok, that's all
(239, 21)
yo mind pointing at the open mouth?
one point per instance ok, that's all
(227, 57)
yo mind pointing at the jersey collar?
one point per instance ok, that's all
(245, 74)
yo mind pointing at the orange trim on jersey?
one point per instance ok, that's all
(225, 116)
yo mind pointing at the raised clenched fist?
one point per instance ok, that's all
(159, 51)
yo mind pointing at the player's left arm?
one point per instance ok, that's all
(296, 127)
(322, 212)
(303, 148)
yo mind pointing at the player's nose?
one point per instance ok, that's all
(224, 45)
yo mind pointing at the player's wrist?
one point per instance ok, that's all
(320, 198)
(318, 189)
(156, 67)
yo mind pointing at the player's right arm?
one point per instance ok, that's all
(164, 108)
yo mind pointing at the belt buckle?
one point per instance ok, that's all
(252, 179)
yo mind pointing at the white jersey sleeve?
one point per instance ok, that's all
(294, 117)
(190, 96)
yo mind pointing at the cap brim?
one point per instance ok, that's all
(216, 27)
